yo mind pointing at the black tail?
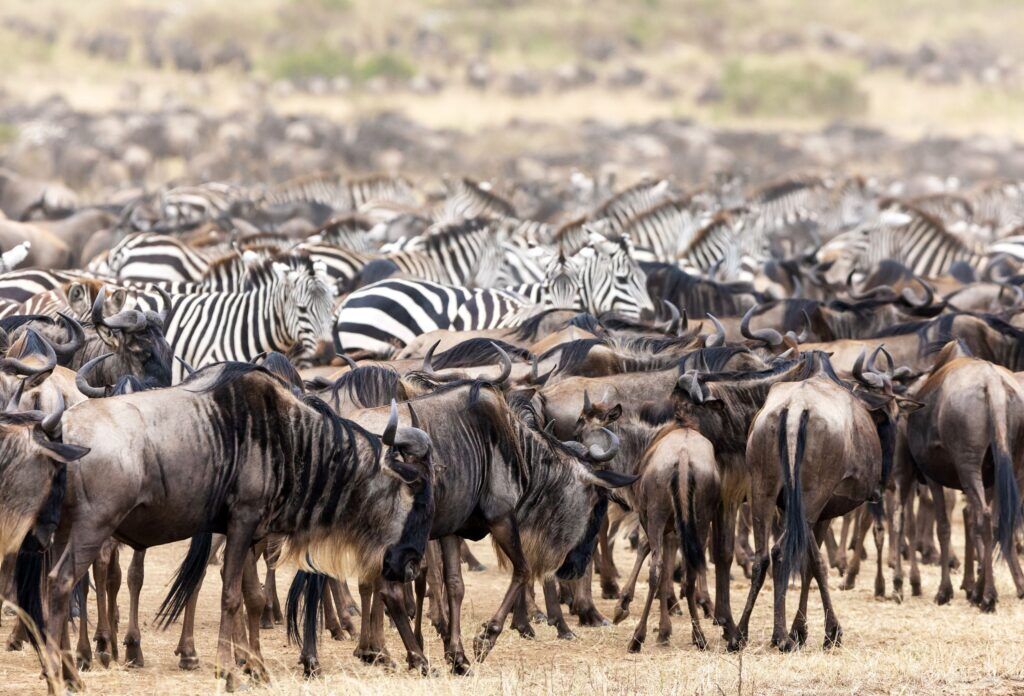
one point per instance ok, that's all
(794, 537)
(28, 576)
(577, 560)
(689, 541)
(187, 579)
(304, 597)
(1008, 496)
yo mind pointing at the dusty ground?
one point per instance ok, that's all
(915, 647)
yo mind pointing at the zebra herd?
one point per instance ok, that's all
(227, 355)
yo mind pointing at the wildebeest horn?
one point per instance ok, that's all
(911, 299)
(769, 336)
(165, 296)
(127, 320)
(1017, 291)
(506, 365)
(535, 376)
(672, 325)
(873, 293)
(690, 383)
(716, 339)
(184, 363)
(427, 367)
(872, 379)
(19, 367)
(82, 381)
(51, 423)
(388, 437)
(987, 274)
(802, 338)
(76, 339)
(587, 406)
(14, 402)
(352, 364)
(609, 452)
(97, 307)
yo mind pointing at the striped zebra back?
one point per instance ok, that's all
(187, 207)
(150, 257)
(368, 191)
(343, 265)
(488, 309)
(659, 233)
(21, 285)
(386, 316)
(347, 232)
(717, 245)
(468, 199)
(323, 188)
(631, 202)
(463, 253)
(999, 205)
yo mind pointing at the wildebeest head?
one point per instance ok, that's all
(31, 456)
(408, 460)
(136, 341)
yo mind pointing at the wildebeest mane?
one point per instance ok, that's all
(476, 351)
(369, 386)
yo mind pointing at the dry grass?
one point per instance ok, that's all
(889, 648)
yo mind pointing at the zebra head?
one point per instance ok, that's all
(612, 279)
(308, 306)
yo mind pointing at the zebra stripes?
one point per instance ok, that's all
(462, 253)
(472, 199)
(146, 257)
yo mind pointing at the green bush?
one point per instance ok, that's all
(302, 63)
(387, 65)
(790, 91)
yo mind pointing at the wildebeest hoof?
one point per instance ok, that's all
(699, 640)
(833, 638)
(526, 631)
(705, 604)
(188, 662)
(879, 588)
(233, 684)
(610, 590)
(339, 633)
(84, 662)
(1020, 594)
(104, 658)
(484, 643)
(13, 645)
(944, 595)
(664, 636)
(784, 644)
(476, 567)
(621, 614)
(798, 635)
(311, 667)
(133, 654)
(735, 644)
(538, 616)
(255, 669)
(420, 664)
(267, 619)
(566, 634)
(635, 644)
(915, 588)
(592, 618)
(987, 605)
(460, 664)
(374, 657)
(848, 583)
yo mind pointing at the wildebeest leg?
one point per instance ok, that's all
(337, 589)
(472, 562)
(833, 632)
(981, 514)
(655, 530)
(113, 590)
(879, 533)
(371, 648)
(521, 616)
(723, 531)
(1014, 562)
(346, 599)
(506, 535)
(435, 590)
(83, 650)
(702, 596)
(237, 551)
(860, 530)
(626, 596)
(100, 568)
(532, 610)
(454, 653)
(836, 554)
(255, 601)
(761, 514)
(969, 584)
(393, 594)
(945, 592)
(554, 611)
(798, 633)
(272, 612)
(420, 587)
(606, 563)
(666, 597)
(925, 540)
(744, 554)
(583, 600)
(186, 651)
(844, 538)
(132, 636)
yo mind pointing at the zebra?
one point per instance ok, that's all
(284, 309)
(998, 205)
(332, 191)
(903, 234)
(725, 248)
(524, 252)
(458, 253)
(626, 205)
(382, 318)
(183, 207)
(472, 199)
(147, 257)
(659, 233)
(346, 232)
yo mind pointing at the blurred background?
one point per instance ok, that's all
(104, 93)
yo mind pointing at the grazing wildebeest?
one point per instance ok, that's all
(245, 458)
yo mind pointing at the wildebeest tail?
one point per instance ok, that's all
(187, 579)
(794, 536)
(1007, 491)
(689, 541)
(28, 574)
(304, 597)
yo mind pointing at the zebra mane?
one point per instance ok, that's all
(779, 189)
(476, 351)
(491, 199)
(925, 218)
(624, 198)
(438, 237)
(720, 223)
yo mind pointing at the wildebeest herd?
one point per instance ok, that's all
(355, 376)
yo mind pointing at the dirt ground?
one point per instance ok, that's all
(914, 647)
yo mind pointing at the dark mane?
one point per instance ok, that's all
(710, 359)
(477, 351)
(588, 322)
(369, 386)
(439, 238)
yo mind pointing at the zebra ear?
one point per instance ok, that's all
(280, 270)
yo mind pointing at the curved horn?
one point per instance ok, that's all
(506, 365)
(912, 300)
(716, 339)
(165, 296)
(428, 358)
(14, 403)
(987, 274)
(97, 306)
(127, 320)
(414, 441)
(873, 293)
(5, 341)
(82, 381)
(804, 335)
(352, 364)
(770, 336)
(672, 325)
(609, 452)
(51, 423)
(391, 429)
(18, 367)
(869, 378)
(184, 363)
(76, 339)
(587, 405)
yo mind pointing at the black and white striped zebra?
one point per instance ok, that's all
(286, 309)
(629, 203)
(382, 318)
(339, 194)
(725, 247)
(147, 257)
(659, 233)
(468, 199)
(467, 253)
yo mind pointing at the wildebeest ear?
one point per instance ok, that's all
(115, 301)
(873, 400)
(61, 452)
(401, 471)
(109, 336)
(908, 405)
(612, 479)
(614, 413)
